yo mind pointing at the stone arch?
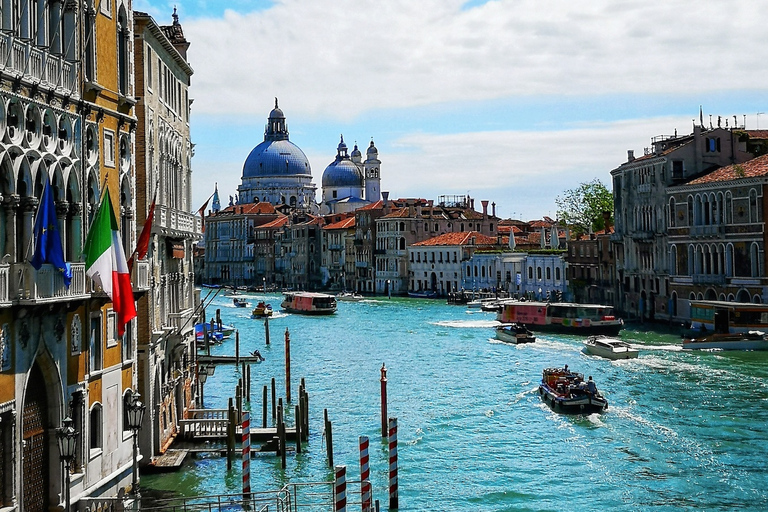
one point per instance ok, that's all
(743, 296)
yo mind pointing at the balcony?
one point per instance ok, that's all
(181, 321)
(176, 223)
(708, 279)
(642, 235)
(707, 231)
(5, 298)
(30, 286)
(36, 66)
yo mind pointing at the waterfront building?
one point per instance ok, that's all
(67, 98)
(717, 237)
(591, 269)
(436, 263)
(277, 171)
(418, 220)
(234, 253)
(263, 235)
(166, 316)
(349, 183)
(300, 253)
(364, 277)
(545, 274)
(641, 209)
(494, 270)
(338, 249)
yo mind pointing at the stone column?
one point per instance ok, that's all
(62, 208)
(28, 208)
(11, 205)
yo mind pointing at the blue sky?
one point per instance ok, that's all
(514, 101)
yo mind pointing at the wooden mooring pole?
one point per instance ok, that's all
(237, 347)
(264, 409)
(328, 438)
(384, 431)
(298, 421)
(287, 366)
(266, 328)
(274, 402)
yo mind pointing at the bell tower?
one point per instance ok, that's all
(372, 166)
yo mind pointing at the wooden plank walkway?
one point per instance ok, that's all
(171, 460)
(205, 359)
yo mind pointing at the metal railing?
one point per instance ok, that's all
(46, 284)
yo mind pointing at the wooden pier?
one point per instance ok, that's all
(212, 424)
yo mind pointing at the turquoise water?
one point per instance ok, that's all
(684, 430)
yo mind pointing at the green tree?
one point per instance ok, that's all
(582, 207)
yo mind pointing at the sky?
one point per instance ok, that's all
(510, 101)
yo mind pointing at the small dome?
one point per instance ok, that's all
(342, 173)
(355, 152)
(372, 149)
(276, 112)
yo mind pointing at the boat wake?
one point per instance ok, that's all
(467, 324)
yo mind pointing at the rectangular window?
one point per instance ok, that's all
(106, 8)
(96, 352)
(128, 341)
(109, 148)
(111, 329)
(149, 68)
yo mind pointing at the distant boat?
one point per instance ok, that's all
(609, 348)
(349, 297)
(425, 294)
(562, 317)
(309, 303)
(262, 310)
(514, 333)
(240, 303)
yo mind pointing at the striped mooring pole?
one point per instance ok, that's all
(393, 501)
(246, 442)
(340, 489)
(365, 475)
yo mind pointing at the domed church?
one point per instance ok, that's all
(348, 182)
(277, 171)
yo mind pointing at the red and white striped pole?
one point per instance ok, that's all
(340, 489)
(365, 475)
(393, 501)
(383, 400)
(246, 442)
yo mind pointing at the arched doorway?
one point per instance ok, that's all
(35, 446)
(433, 282)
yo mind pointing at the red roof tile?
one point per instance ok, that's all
(459, 238)
(754, 168)
(342, 224)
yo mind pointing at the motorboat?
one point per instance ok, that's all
(309, 303)
(262, 310)
(750, 340)
(423, 294)
(240, 303)
(514, 333)
(349, 297)
(567, 392)
(562, 317)
(479, 303)
(610, 348)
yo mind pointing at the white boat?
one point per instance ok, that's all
(478, 303)
(610, 348)
(514, 333)
(349, 297)
(751, 340)
(727, 326)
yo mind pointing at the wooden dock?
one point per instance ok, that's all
(205, 359)
(171, 460)
(211, 424)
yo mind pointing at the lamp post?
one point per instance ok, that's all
(202, 376)
(135, 416)
(66, 437)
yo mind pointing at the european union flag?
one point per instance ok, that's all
(48, 247)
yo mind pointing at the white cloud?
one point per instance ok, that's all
(340, 57)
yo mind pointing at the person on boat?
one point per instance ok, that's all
(591, 386)
(565, 368)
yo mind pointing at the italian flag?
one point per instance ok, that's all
(105, 263)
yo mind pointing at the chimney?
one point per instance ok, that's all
(385, 195)
(485, 208)
(472, 203)
(630, 155)
(543, 238)
(410, 208)
(418, 209)
(493, 209)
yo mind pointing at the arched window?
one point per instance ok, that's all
(402, 243)
(690, 211)
(671, 212)
(753, 205)
(549, 273)
(90, 42)
(530, 272)
(538, 273)
(754, 261)
(557, 273)
(95, 426)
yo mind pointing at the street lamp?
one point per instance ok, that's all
(202, 376)
(135, 416)
(66, 437)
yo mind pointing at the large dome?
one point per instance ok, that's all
(276, 158)
(342, 172)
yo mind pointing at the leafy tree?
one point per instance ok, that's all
(582, 207)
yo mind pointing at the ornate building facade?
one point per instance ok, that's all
(66, 95)
(165, 315)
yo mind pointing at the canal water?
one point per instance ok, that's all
(683, 431)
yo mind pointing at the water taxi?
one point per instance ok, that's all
(727, 326)
(609, 348)
(240, 303)
(514, 333)
(309, 303)
(262, 310)
(562, 317)
(349, 297)
(567, 392)
(423, 294)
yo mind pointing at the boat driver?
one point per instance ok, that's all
(591, 386)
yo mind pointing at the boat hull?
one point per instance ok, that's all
(609, 354)
(309, 303)
(722, 344)
(582, 404)
(508, 335)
